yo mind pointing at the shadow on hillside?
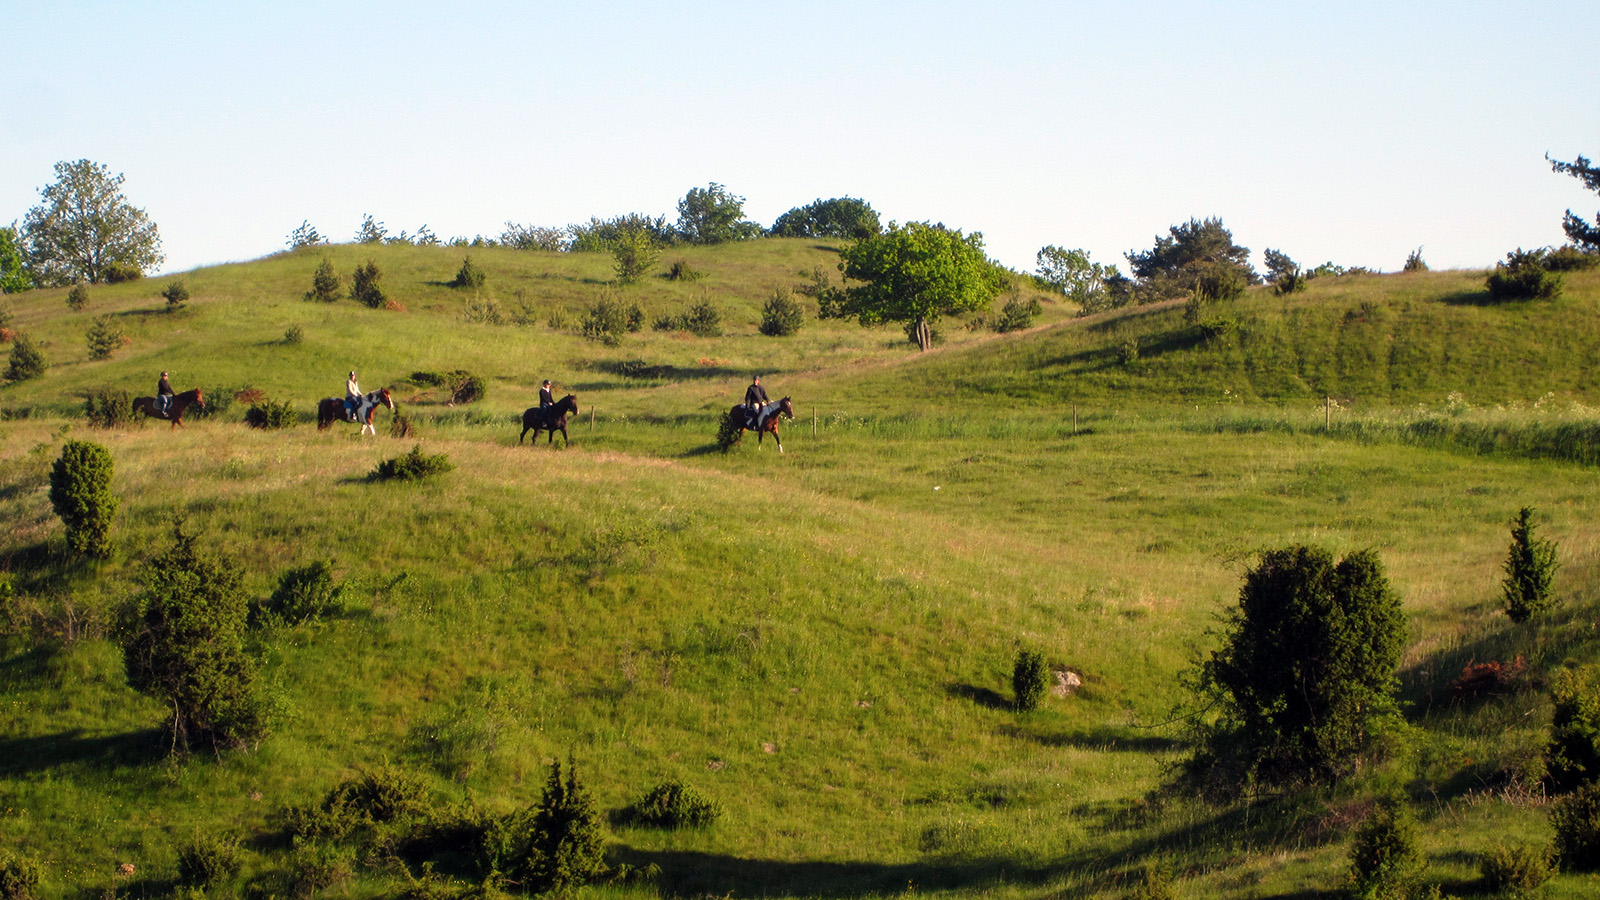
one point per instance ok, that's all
(1104, 739)
(1471, 298)
(645, 371)
(702, 450)
(33, 755)
(691, 874)
(979, 695)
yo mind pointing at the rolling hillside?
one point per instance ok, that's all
(822, 640)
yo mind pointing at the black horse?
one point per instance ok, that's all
(555, 418)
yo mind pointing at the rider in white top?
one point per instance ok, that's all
(352, 394)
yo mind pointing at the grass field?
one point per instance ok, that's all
(822, 639)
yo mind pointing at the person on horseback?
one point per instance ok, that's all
(547, 399)
(163, 395)
(352, 396)
(755, 397)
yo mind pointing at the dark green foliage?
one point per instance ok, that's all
(702, 320)
(374, 796)
(598, 235)
(1306, 672)
(26, 360)
(672, 804)
(1530, 569)
(305, 235)
(103, 338)
(302, 594)
(914, 273)
(325, 284)
(19, 877)
(1523, 276)
(428, 379)
(557, 845)
(315, 866)
(118, 272)
(1284, 273)
(1017, 314)
(412, 466)
(293, 335)
(272, 414)
(729, 431)
(1571, 259)
(1177, 262)
(712, 215)
(78, 297)
(371, 231)
(208, 860)
(782, 315)
(177, 294)
(1583, 235)
(1577, 822)
(1572, 758)
(1029, 680)
(108, 407)
(841, 217)
(1515, 871)
(1385, 862)
(80, 491)
(400, 425)
(469, 275)
(184, 646)
(1415, 262)
(466, 387)
(636, 253)
(364, 288)
(606, 321)
(682, 271)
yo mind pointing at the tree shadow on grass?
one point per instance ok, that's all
(1473, 298)
(1103, 739)
(692, 874)
(980, 695)
(42, 753)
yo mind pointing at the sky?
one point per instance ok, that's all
(1351, 132)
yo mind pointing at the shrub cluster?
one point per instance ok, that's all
(107, 406)
(1385, 861)
(672, 804)
(274, 414)
(118, 272)
(325, 284)
(730, 430)
(701, 320)
(682, 271)
(19, 877)
(208, 860)
(1570, 259)
(1523, 276)
(466, 387)
(380, 795)
(104, 338)
(556, 845)
(303, 594)
(177, 294)
(80, 491)
(1572, 758)
(364, 287)
(1577, 822)
(1029, 680)
(608, 319)
(294, 334)
(412, 466)
(782, 315)
(1515, 871)
(26, 359)
(1017, 314)
(469, 275)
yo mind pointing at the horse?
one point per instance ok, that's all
(534, 419)
(332, 408)
(766, 422)
(174, 413)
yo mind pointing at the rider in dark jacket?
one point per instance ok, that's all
(755, 397)
(164, 394)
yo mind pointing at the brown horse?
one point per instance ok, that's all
(534, 419)
(766, 423)
(174, 413)
(332, 408)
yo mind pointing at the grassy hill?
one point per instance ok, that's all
(819, 640)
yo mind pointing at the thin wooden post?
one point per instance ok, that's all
(1327, 413)
(591, 420)
(813, 421)
(1074, 418)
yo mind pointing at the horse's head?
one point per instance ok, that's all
(571, 401)
(384, 398)
(786, 407)
(199, 400)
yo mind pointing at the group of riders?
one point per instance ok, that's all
(755, 398)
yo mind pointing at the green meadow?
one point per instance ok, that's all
(821, 639)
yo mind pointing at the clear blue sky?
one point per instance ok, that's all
(1351, 132)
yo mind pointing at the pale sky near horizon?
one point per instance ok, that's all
(1351, 132)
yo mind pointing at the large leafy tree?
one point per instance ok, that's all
(914, 273)
(1073, 274)
(85, 226)
(713, 215)
(841, 217)
(1201, 249)
(14, 277)
(1581, 233)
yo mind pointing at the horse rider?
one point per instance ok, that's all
(755, 397)
(352, 396)
(163, 395)
(546, 398)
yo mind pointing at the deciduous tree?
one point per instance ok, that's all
(841, 217)
(713, 215)
(85, 226)
(914, 273)
(1581, 233)
(14, 277)
(1189, 252)
(1073, 274)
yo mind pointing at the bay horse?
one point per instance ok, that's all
(174, 413)
(332, 408)
(766, 422)
(535, 419)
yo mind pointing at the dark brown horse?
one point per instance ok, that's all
(767, 423)
(332, 409)
(535, 419)
(174, 413)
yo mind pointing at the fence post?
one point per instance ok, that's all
(1074, 418)
(813, 421)
(591, 420)
(1327, 414)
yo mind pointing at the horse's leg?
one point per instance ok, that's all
(565, 441)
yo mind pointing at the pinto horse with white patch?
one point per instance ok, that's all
(333, 408)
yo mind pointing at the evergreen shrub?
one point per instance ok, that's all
(364, 287)
(1523, 276)
(782, 315)
(118, 272)
(672, 804)
(605, 321)
(80, 492)
(104, 338)
(1577, 822)
(177, 294)
(1530, 569)
(412, 466)
(78, 297)
(1029, 679)
(1017, 314)
(209, 860)
(469, 275)
(302, 594)
(1385, 861)
(108, 407)
(1515, 871)
(325, 284)
(26, 359)
(557, 845)
(1572, 757)
(272, 414)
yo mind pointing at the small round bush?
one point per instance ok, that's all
(783, 315)
(177, 294)
(294, 334)
(1029, 679)
(80, 491)
(412, 466)
(671, 804)
(1523, 276)
(703, 320)
(469, 388)
(469, 275)
(1385, 862)
(26, 360)
(272, 414)
(208, 860)
(1515, 871)
(303, 594)
(78, 297)
(103, 338)
(1577, 823)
